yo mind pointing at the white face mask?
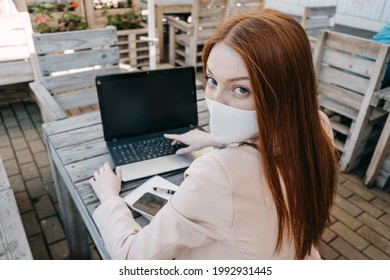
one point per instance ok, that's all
(229, 124)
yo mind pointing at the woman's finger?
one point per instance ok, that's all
(118, 172)
(106, 166)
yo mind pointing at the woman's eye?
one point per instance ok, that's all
(211, 81)
(241, 91)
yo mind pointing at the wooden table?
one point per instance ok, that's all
(76, 149)
(168, 7)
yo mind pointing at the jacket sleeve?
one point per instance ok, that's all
(199, 213)
(326, 125)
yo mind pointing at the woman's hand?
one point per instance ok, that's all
(106, 183)
(195, 139)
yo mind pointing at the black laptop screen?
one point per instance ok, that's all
(138, 103)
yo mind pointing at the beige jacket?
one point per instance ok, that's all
(222, 210)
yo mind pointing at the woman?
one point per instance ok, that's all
(268, 194)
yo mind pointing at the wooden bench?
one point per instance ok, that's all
(17, 63)
(68, 64)
(13, 240)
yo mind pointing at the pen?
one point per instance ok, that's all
(164, 190)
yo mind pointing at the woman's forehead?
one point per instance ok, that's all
(225, 61)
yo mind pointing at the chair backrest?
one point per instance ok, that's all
(312, 18)
(206, 16)
(349, 70)
(241, 6)
(70, 61)
(16, 49)
(187, 44)
(316, 18)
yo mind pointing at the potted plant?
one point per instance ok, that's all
(127, 18)
(48, 17)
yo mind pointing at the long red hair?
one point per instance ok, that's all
(300, 164)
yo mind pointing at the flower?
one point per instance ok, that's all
(73, 4)
(41, 19)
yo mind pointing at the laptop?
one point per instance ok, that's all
(137, 108)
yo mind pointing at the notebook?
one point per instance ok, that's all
(148, 199)
(137, 108)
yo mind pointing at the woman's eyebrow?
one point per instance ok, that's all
(238, 79)
(232, 79)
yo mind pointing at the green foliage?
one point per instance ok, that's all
(68, 21)
(129, 20)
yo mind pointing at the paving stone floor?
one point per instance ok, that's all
(360, 221)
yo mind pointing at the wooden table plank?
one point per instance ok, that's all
(85, 150)
(76, 136)
(68, 124)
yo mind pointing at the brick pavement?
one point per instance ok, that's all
(360, 220)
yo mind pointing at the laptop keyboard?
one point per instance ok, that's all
(144, 150)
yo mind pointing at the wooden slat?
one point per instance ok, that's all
(348, 62)
(16, 72)
(12, 38)
(210, 13)
(84, 120)
(312, 23)
(344, 79)
(351, 44)
(340, 95)
(321, 11)
(86, 149)
(83, 170)
(75, 40)
(14, 53)
(77, 99)
(55, 63)
(11, 21)
(76, 136)
(337, 107)
(349, 112)
(81, 79)
(343, 129)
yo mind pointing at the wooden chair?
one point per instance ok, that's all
(312, 18)
(241, 6)
(317, 18)
(349, 71)
(68, 64)
(378, 170)
(186, 39)
(16, 49)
